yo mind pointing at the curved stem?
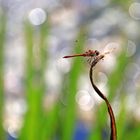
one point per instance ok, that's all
(113, 135)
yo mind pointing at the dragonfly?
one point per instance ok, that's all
(91, 54)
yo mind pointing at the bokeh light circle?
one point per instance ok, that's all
(134, 10)
(111, 46)
(37, 16)
(137, 80)
(102, 78)
(63, 65)
(131, 48)
(84, 100)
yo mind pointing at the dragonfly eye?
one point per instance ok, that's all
(97, 52)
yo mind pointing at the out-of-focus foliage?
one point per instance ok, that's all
(2, 39)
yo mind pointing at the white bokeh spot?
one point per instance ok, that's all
(84, 100)
(37, 16)
(134, 10)
(131, 48)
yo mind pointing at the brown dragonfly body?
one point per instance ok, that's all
(89, 53)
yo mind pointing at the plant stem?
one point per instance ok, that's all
(113, 135)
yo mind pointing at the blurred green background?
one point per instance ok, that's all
(46, 97)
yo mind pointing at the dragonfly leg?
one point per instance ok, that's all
(90, 60)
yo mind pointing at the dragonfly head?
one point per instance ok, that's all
(97, 52)
(94, 53)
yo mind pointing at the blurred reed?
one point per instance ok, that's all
(2, 41)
